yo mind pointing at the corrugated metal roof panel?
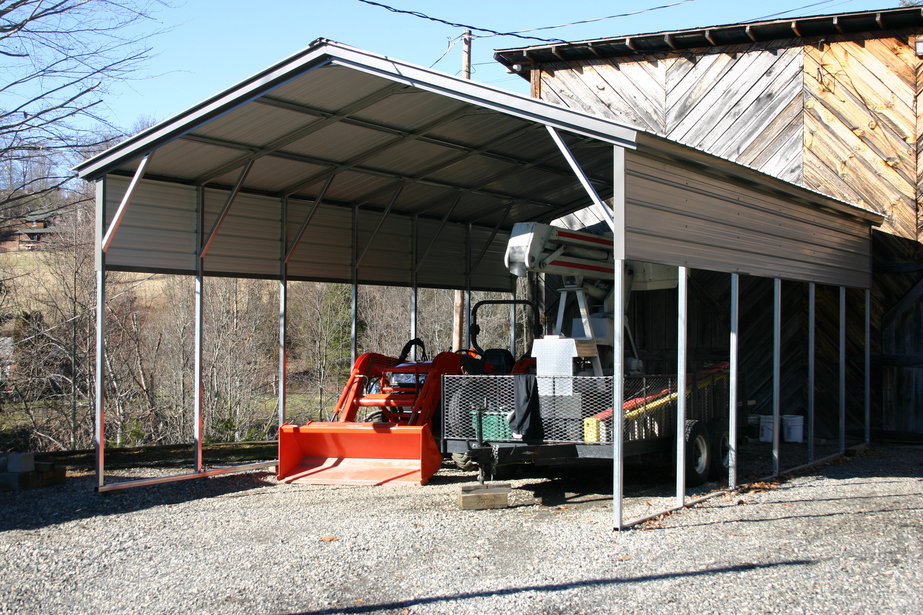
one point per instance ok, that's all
(468, 154)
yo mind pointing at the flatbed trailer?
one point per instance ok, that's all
(575, 416)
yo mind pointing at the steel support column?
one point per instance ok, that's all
(413, 284)
(734, 360)
(197, 423)
(842, 388)
(618, 398)
(468, 251)
(868, 366)
(681, 319)
(100, 435)
(812, 345)
(283, 312)
(776, 372)
(354, 295)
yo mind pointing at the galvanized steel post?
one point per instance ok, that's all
(842, 413)
(868, 366)
(681, 319)
(197, 422)
(283, 305)
(812, 324)
(776, 371)
(618, 394)
(732, 386)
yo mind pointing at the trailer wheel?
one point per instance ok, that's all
(464, 462)
(720, 438)
(698, 454)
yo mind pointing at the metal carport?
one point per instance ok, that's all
(345, 166)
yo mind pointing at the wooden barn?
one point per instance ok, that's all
(834, 103)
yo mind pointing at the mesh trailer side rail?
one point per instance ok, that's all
(578, 409)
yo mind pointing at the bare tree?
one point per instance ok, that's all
(57, 58)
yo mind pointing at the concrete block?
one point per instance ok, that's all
(20, 481)
(482, 497)
(53, 477)
(20, 462)
(44, 466)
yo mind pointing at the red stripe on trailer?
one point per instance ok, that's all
(591, 239)
(609, 269)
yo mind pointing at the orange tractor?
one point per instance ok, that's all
(382, 429)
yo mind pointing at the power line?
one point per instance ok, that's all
(577, 23)
(519, 33)
(460, 25)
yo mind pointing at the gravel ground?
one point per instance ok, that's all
(847, 538)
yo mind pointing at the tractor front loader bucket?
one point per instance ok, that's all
(341, 453)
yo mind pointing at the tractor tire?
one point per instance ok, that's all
(720, 438)
(464, 462)
(698, 454)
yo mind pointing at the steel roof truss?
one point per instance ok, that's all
(381, 221)
(126, 201)
(578, 171)
(369, 125)
(356, 160)
(490, 239)
(432, 242)
(302, 132)
(224, 210)
(307, 220)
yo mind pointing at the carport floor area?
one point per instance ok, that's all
(845, 538)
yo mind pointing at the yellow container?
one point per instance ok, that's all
(591, 429)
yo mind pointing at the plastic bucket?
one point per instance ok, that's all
(793, 428)
(765, 428)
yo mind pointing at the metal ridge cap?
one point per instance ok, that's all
(498, 99)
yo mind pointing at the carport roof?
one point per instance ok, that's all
(371, 135)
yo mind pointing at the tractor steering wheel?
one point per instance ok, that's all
(405, 351)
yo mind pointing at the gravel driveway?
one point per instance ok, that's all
(847, 538)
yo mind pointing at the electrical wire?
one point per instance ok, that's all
(452, 42)
(459, 25)
(800, 8)
(577, 23)
(518, 33)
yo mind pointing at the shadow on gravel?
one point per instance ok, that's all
(38, 508)
(557, 587)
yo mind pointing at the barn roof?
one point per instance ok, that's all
(875, 23)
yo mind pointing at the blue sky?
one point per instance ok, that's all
(212, 44)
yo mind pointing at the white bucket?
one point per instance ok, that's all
(765, 428)
(793, 428)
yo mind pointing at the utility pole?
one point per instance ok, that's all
(458, 311)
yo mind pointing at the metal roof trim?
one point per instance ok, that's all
(712, 36)
(324, 52)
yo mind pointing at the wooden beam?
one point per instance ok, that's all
(903, 304)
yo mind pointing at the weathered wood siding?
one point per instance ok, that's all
(860, 134)
(732, 101)
(843, 116)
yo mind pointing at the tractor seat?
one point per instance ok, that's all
(501, 358)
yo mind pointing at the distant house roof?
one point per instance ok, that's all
(41, 214)
(519, 60)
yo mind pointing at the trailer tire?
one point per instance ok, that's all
(698, 454)
(464, 462)
(720, 437)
